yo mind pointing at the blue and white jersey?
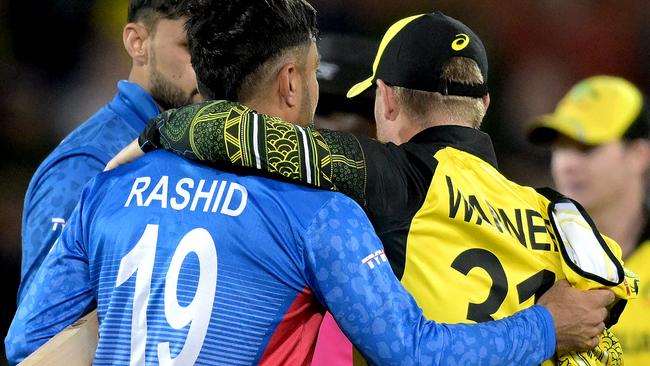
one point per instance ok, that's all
(55, 188)
(189, 265)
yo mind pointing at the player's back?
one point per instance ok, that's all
(200, 265)
(480, 247)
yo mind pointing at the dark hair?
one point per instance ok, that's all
(232, 39)
(640, 128)
(150, 11)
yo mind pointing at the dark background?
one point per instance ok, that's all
(60, 61)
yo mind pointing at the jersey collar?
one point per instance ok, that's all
(134, 104)
(467, 139)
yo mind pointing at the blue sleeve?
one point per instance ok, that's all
(59, 294)
(48, 205)
(349, 273)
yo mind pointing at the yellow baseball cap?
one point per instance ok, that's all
(597, 110)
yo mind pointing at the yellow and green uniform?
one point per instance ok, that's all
(633, 328)
(469, 244)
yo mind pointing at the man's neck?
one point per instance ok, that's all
(138, 76)
(407, 129)
(412, 127)
(623, 220)
(261, 106)
(268, 107)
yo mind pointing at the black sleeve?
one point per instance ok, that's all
(225, 133)
(379, 176)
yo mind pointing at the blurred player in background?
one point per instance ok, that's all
(344, 59)
(192, 266)
(600, 157)
(434, 195)
(161, 77)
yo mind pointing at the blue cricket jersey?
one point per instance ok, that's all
(55, 188)
(192, 266)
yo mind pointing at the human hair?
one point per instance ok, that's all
(148, 12)
(640, 127)
(419, 105)
(234, 43)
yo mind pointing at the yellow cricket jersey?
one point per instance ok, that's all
(474, 246)
(480, 247)
(633, 328)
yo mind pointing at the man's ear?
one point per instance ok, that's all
(486, 102)
(135, 37)
(391, 108)
(289, 81)
(639, 149)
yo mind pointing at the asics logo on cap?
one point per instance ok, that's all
(461, 41)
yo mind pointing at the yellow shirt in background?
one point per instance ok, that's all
(633, 328)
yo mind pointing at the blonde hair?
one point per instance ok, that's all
(420, 105)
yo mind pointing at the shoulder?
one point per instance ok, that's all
(66, 170)
(316, 197)
(335, 208)
(642, 251)
(106, 132)
(83, 143)
(100, 137)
